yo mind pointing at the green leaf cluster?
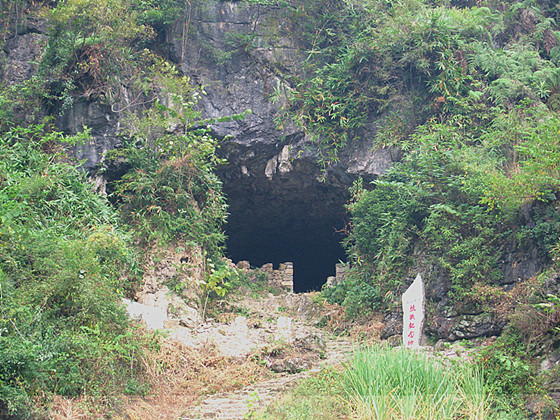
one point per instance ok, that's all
(470, 103)
(170, 192)
(94, 45)
(416, 62)
(67, 254)
(64, 265)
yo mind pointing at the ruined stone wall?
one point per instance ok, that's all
(340, 273)
(282, 278)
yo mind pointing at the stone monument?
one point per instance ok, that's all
(413, 313)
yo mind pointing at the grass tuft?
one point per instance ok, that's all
(389, 384)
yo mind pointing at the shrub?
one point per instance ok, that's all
(64, 265)
(170, 190)
(359, 297)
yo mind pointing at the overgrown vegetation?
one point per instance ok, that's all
(468, 94)
(170, 191)
(67, 254)
(386, 383)
(64, 264)
(383, 383)
(321, 396)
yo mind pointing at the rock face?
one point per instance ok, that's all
(280, 198)
(25, 39)
(21, 54)
(242, 55)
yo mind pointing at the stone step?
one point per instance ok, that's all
(237, 405)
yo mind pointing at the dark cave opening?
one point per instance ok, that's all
(287, 220)
(314, 250)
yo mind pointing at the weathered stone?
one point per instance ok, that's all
(284, 330)
(291, 365)
(393, 326)
(310, 343)
(270, 168)
(164, 266)
(340, 270)
(284, 164)
(153, 317)
(174, 307)
(550, 362)
(472, 326)
(22, 56)
(171, 324)
(244, 265)
(103, 124)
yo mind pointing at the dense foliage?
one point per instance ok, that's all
(469, 96)
(170, 192)
(467, 92)
(64, 264)
(67, 254)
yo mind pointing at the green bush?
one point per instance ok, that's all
(357, 297)
(429, 202)
(419, 60)
(170, 191)
(511, 377)
(64, 265)
(94, 45)
(158, 14)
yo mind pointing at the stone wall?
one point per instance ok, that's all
(340, 273)
(282, 278)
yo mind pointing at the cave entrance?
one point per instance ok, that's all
(287, 220)
(314, 248)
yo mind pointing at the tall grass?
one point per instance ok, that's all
(390, 384)
(320, 397)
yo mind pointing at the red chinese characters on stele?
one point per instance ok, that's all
(413, 313)
(411, 325)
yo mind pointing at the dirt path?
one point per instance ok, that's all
(255, 398)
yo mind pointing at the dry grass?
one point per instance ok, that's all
(365, 330)
(74, 408)
(179, 375)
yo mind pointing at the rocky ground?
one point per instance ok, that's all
(283, 332)
(255, 398)
(245, 351)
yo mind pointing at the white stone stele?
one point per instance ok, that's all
(413, 313)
